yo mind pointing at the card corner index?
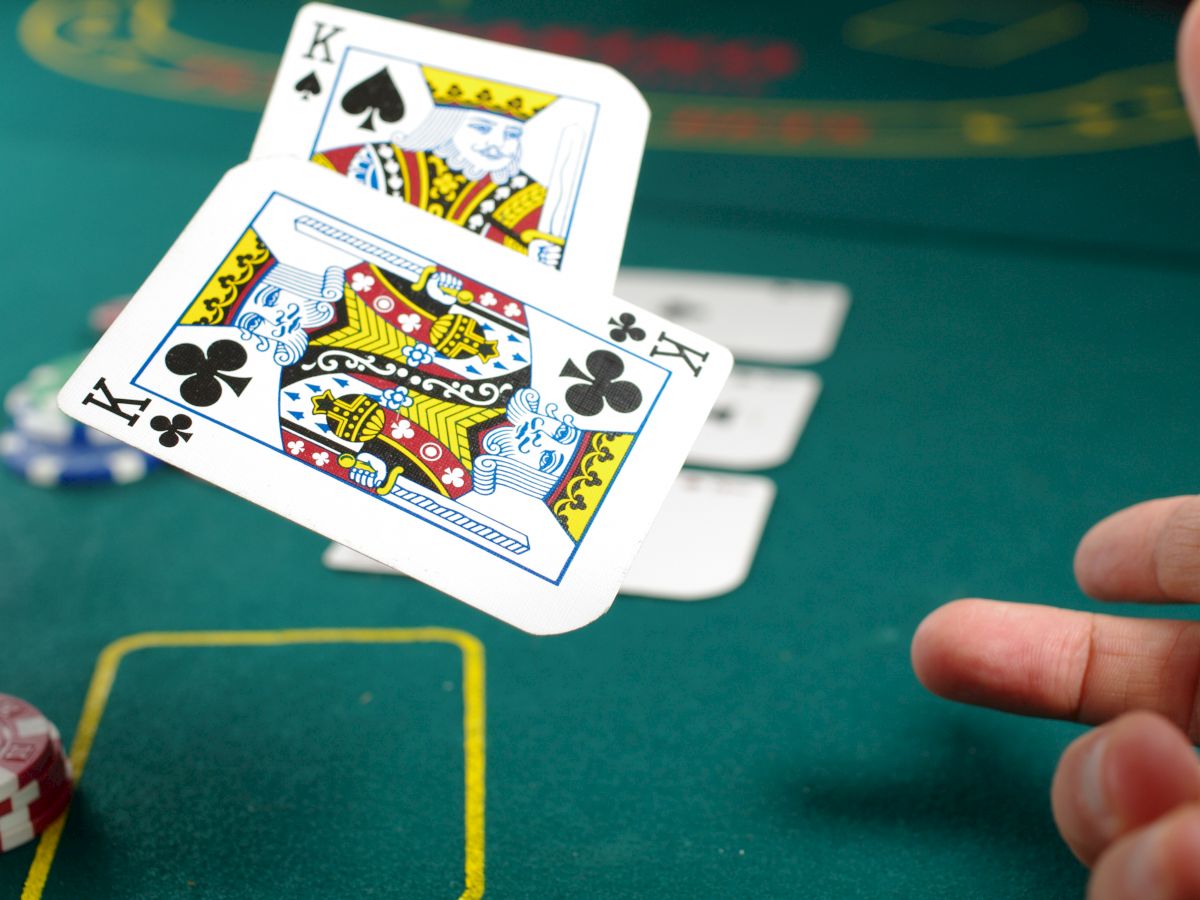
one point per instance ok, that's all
(81, 391)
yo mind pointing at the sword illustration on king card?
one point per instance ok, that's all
(560, 189)
(414, 269)
(443, 512)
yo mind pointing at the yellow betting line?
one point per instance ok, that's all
(474, 754)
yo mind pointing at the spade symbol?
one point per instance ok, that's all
(376, 94)
(308, 85)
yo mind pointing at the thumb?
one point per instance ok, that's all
(1189, 61)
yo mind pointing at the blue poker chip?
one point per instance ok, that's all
(48, 465)
(33, 407)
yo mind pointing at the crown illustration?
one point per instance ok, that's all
(457, 336)
(354, 417)
(235, 278)
(460, 91)
(588, 479)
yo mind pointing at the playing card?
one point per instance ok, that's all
(772, 320)
(704, 538)
(536, 152)
(757, 419)
(341, 558)
(495, 429)
(702, 543)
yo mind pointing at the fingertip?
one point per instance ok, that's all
(1188, 47)
(1189, 60)
(1091, 562)
(1158, 862)
(1112, 555)
(1120, 777)
(937, 643)
(1115, 559)
(1152, 768)
(1016, 657)
(1181, 852)
(1079, 796)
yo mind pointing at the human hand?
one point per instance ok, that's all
(1126, 796)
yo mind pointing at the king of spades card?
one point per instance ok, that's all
(463, 161)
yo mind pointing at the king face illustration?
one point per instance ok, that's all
(462, 163)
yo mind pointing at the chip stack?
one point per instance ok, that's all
(102, 316)
(49, 448)
(35, 775)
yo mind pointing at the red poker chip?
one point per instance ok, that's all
(21, 827)
(103, 315)
(26, 744)
(39, 795)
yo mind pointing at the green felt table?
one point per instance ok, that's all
(1008, 190)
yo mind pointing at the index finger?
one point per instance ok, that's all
(1061, 664)
(1189, 61)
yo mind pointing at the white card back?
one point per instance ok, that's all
(757, 420)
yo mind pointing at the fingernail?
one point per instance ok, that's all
(1143, 871)
(1093, 792)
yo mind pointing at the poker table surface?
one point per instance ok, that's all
(1008, 189)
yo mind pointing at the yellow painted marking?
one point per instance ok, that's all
(914, 29)
(1093, 119)
(1043, 124)
(474, 753)
(988, 128)
(129, 45)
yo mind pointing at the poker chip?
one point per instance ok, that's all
(48, 465)
(49, 448)
(38, 794)
(36, 780)
(104, 314)
(26, 744)
(33, 407)
(21, 827)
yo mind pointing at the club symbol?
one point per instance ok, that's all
(600, 385)
(376, 94)
(308, 85)
(204, 368)
(625, 328)
(173, 429)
